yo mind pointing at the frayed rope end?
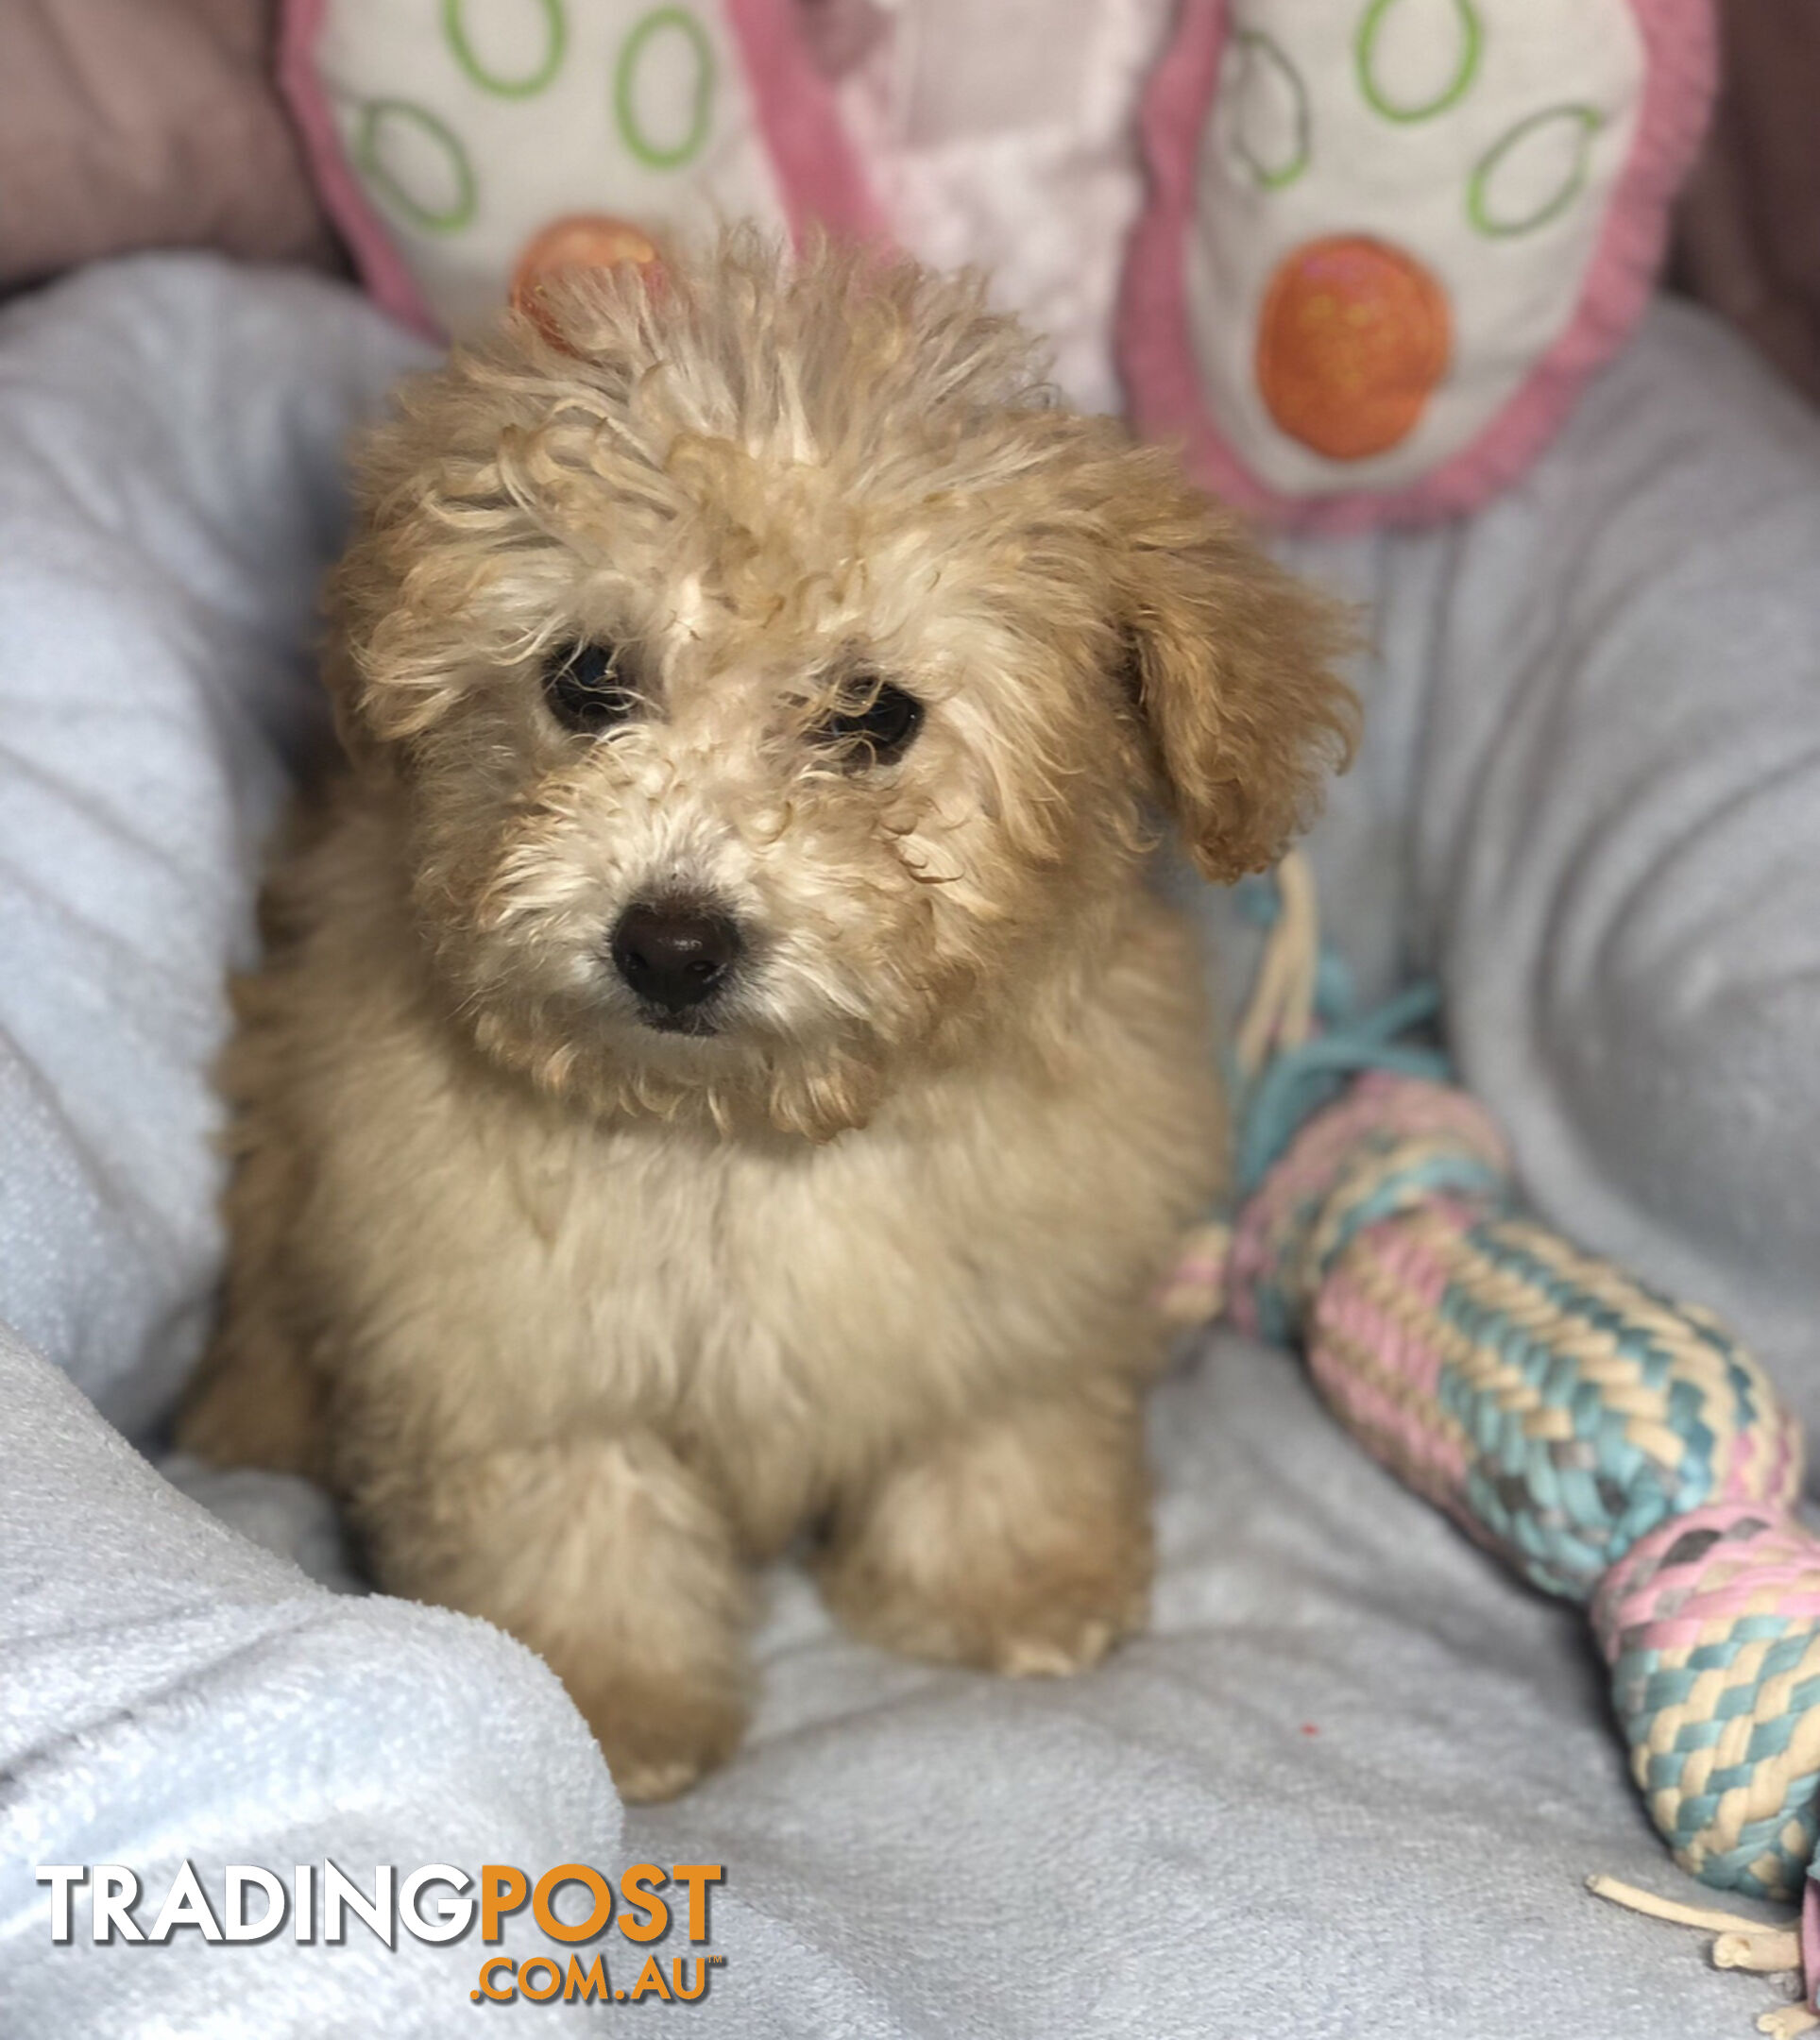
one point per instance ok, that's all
(1742, 1943)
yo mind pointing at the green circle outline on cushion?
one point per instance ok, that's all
(1591, 119)
(631, 50)
(556, 25)
(366, 156)
(1372, 21)
(1251, 39)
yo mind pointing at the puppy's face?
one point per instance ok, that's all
(776, 684)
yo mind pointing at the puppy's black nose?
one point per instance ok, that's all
(675, 956)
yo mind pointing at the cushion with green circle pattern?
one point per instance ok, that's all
(446, 135)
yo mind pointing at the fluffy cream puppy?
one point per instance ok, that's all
(719, 1071)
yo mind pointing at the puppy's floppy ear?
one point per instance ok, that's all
(1230, 659)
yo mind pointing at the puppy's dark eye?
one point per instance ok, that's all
(879, 723)
(582, 685)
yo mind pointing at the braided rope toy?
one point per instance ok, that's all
(1614, 1447)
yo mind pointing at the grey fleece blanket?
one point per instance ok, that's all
(1350, 1784)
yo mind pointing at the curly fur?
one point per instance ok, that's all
(582, 1318)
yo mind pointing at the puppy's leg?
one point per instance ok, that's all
(255, 1401)
(612, 1561)
(1022, 1545)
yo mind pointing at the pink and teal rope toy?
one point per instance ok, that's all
(1614, 1447)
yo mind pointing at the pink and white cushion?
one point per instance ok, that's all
(446, 136)
(1387, 240)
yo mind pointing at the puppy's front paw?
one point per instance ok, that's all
(1024, 1547)
(658, 1739)
(1067, 1634)
(1004, 1611)
(614, 1564)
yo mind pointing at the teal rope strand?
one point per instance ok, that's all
(1297, 1082)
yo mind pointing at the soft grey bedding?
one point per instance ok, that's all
(1353, 1782)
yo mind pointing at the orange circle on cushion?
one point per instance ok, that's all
(580, 241)
(1353, 340)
